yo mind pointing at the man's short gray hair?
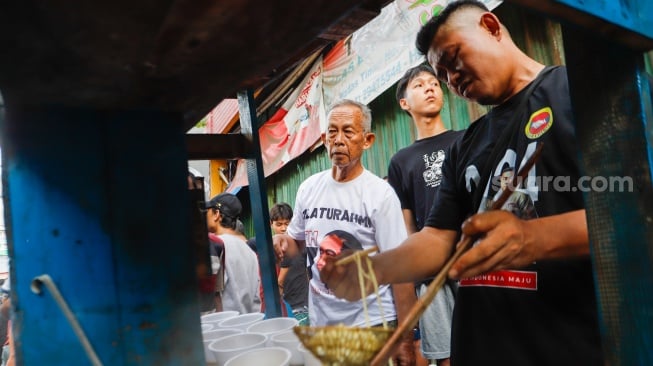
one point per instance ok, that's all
(365, 111)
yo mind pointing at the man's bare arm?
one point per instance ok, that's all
(405, 298)
(409, 220)
(509, 242)
(420, 256)
(287, 247)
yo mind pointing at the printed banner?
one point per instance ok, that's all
(293, 129)
(363, 66)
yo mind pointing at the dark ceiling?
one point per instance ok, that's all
(175, 55)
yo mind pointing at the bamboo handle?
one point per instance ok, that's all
(360, 253)
(420, 306)
(423, 302)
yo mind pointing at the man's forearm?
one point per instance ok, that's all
(420, 256)
(506, 242)
(405, 298)
(291, 246)
(570, 238)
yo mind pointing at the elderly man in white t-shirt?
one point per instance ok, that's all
(347, 206)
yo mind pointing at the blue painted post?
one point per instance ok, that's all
(633, 15)
(611, 99)
(260, 211)
(96, 200)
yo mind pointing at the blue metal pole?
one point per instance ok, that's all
(260, 211)
(97, 201)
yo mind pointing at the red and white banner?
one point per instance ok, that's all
(293, 129)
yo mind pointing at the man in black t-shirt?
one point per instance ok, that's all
(415, 173)
(526, 294)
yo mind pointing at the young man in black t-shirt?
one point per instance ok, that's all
(415, 173)
(526, 293)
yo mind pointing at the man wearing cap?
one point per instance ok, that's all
(241, 270)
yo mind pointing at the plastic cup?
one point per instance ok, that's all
(288, 340)
(227, 347)
(206, 327)
(218, 317)
(272, 326)
(269, 356)
(212, 335)
(241, 321)
(309, 358)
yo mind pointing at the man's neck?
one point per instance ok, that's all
(428, 126)
(347, 173)
(524, 74)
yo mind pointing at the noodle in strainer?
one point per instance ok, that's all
(338, 345)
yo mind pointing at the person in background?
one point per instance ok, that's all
(4, 311)
(292, 278)
(251, 243)
(415, 173)
(241, 268)
(526, 293)
(207, 266)
(349, 198)
(8, 352)
(240, 230)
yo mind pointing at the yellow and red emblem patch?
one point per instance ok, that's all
(539, 123)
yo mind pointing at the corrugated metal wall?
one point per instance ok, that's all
(394, 129)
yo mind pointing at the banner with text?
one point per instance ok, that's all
(293, 129)
(366, 64)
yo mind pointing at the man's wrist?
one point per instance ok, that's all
(410, 335)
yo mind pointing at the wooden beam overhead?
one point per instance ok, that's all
(218, 146)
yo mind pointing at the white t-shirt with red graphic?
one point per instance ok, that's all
(368, 209)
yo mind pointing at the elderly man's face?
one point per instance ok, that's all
(345, 137)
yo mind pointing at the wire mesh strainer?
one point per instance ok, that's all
(343, 345)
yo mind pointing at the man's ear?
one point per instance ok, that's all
(216, 215)
(403, 104)
(323, 138)
(369, 140)
(491, 23)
